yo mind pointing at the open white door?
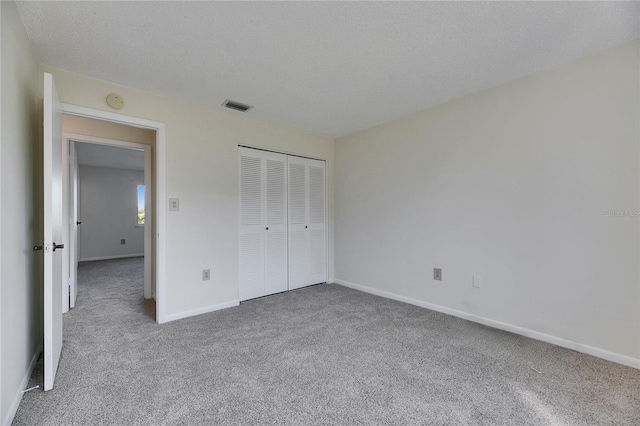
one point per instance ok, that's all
(52, 173)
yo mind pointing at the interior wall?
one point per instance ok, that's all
(105, 129)
(20, 186)
(533, 185)
(108, 211)
(202, 172)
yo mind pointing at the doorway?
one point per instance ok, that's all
(109, 213)
(111, 187)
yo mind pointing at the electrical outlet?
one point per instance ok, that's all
(123, 241)
(206, 274)
(437, 274)
(174, 204)
(477, 281)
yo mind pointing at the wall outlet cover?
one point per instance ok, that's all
(174, 204)
(206, 274)
(437, 274)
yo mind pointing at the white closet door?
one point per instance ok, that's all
(307, 222)
(317, 223)
(263, 223)
(252, 235)
(276, 270)
(298, 235)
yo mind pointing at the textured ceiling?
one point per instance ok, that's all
(109, 156)
(327, 67)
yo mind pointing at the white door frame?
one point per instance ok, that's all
(73, 201)
(160, 189)
(68, 138)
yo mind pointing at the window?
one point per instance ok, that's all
(140, 205)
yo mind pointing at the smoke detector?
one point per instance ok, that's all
(115, 101)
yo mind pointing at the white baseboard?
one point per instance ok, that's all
(120, 256)
(13, 408)
(200, 311)
(580, 347)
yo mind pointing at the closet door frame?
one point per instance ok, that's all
(326, 196)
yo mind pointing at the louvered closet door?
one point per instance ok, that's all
(317, 223)
(252, 234)
(276, 262)
(263, 223)
(307, 222)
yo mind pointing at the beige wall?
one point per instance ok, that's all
(202, 171)
(515, 184)
(20, 186)
(105, 129)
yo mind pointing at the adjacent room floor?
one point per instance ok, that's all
(320, 355)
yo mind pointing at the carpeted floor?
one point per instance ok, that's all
(320, 355)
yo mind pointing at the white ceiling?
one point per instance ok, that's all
(109, 156)
(327, 67)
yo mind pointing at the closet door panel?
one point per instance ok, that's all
(307, 218)
(252, 243)
(317, 192)
(276, 271)
(276, 262)
(251, 212)
(297, 192)
(252, 265)
(298, 236)
(317, 223)
(298, 259)
(317, 257)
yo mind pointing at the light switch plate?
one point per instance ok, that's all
(174, 204)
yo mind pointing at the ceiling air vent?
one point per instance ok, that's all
(236, 105)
